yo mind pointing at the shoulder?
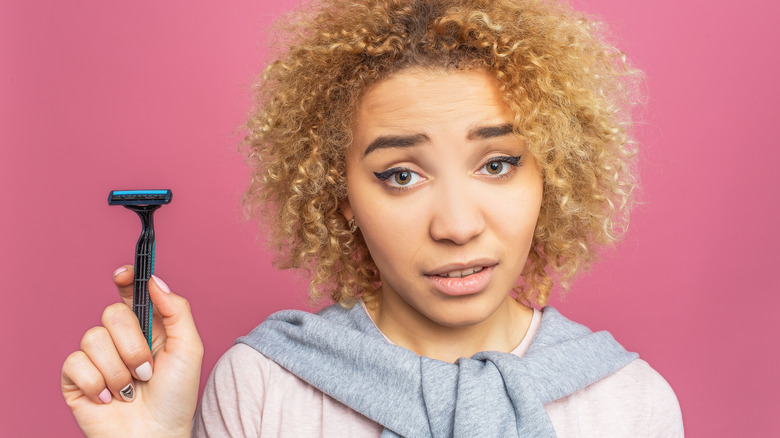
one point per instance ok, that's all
(234, 389)
(248, 394)
(634, 401)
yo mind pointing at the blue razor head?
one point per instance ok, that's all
(139, 197)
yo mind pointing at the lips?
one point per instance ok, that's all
(460, 280)
(462, 269)
(461, 273)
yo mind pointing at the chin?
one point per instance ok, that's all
(465, 316)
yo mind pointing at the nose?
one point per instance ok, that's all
(457, 215)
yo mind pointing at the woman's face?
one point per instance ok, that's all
(445, 195)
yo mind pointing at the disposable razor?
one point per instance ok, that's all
(143, 202)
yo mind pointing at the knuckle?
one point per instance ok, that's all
(121, 375)
(72, 361)
(94, 337)
(92, 384)
(135, 353)
(74, 357)
(114, 314)
(185, 303)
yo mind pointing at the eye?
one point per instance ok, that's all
(499, 166)
(399, 177)
(402, 178)
(495, 167)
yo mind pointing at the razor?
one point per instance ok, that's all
(144, 203)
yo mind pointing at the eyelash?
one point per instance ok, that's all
(385, 175)
(512, 161)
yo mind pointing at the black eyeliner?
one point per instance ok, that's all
(511, 160)
(383, 176)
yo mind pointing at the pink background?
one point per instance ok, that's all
(97, 96)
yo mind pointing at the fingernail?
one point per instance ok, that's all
(127, 393)
(162, 284)
(105, 396)
(119, 271)
(144, 371)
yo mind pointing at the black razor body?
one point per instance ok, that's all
(144, 203)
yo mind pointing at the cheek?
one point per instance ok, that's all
(393, 235)
(514, 222)
(518, 210)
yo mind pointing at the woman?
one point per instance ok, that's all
(436, 165)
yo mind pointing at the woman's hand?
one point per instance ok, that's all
(116, 387)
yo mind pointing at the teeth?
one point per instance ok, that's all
(461, 274)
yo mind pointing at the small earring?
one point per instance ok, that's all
(352, 226)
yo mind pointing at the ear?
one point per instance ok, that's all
(346, 209)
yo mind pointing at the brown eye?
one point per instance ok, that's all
(501, 166)
(495, 167)
(399, 178)
(403, 178)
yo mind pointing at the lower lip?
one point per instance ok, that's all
(471, 284)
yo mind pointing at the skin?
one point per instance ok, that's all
(454, 214)
(110, 353)
(448, 212)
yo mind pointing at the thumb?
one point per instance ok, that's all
(180, 331)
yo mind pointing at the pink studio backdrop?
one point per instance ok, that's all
(97, 96)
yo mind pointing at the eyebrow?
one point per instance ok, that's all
(405, 141)
(490, 131)
(395, 141)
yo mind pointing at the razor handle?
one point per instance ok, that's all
(144, 268)
(144, 203)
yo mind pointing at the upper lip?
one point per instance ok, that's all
(449, 267)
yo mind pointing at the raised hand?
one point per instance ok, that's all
(117, 387)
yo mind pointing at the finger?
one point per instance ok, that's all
(123, 278)
(128, 340)
(80, 378)
(182, 335)
(100, 350)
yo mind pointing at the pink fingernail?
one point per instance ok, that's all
(105, 396)
(119, 271)
(162, 284)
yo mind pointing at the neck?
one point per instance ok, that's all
(502, 331)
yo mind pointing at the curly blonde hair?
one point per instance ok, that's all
(570, 91)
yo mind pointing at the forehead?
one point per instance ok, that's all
(416, 98)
